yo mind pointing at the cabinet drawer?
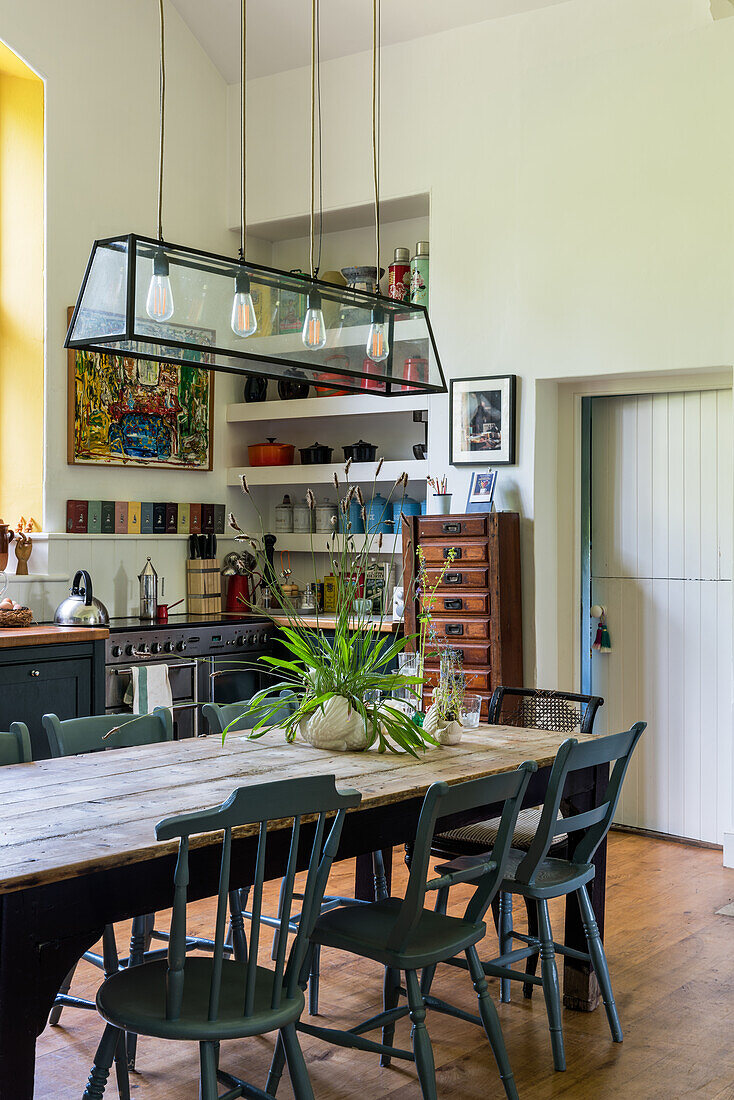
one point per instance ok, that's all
(436, 527)
(471, 604)
(460, 629)
(477, 680)
(472, 653)
(30, 689)
(468, 551)
(458, 576)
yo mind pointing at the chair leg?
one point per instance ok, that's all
(408, 854)
(420, 1038)
(551, 990)
(208, 1089)
(491, 1022)
(380, 878)
(103, 1060)
(276, 1066)
(531, 963)
(599, 962)
(313, 982)
(505, 938)
(121, 1068)
(136, 958)
(296, 1064)
(390, 998)
(55, 1014)
(429, 972)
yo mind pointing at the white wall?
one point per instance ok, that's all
(99, 62)
(578, 160)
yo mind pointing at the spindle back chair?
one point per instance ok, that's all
(15, 746)
(75, 736)
(215, 998)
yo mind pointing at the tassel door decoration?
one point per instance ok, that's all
(602, 641)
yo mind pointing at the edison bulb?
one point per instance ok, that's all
(314, 327)
(244, 321)
(378, 347)
(159, 303)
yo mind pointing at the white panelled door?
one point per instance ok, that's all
(661, 563)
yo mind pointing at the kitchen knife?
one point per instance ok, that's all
(202, 546)
(193, 547)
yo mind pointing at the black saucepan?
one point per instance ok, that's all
(361, 451)
(317, 452)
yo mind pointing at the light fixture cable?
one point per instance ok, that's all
(314, 12)
(243, 135)
(376, 129)
(162, 115)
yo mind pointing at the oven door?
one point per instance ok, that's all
(183, 679)
(230, 680)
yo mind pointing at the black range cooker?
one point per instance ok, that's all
(210, 658)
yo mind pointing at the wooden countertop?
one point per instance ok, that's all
(48, 634)
(63, 818)
(328, 622)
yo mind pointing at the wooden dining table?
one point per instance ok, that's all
(78, 850)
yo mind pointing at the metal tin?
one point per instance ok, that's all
(302, 519)
(398, 286)
(419, 271)
(284, 516)
(377, 515)
(325, 514)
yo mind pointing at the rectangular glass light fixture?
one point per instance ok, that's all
(111, 316)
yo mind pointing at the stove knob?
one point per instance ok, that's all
(156, 647)
(240, 640)
(180, 646)
(168, 647)
(116, 651)
(129, 650)
(143, 648)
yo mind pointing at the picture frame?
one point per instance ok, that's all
(138, 413)
(482, 413)
(481, 491)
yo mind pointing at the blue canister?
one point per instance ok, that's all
(406, 507)
(379, 516)
(354, 520)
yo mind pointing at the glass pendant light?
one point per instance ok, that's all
(226, 306)
(244, 320)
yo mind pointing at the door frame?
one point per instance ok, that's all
(581, 391)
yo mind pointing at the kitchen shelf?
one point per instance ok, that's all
(354, 404)
(302, 543)
(37, 578)
(127, 535)
(338, 219)
(323, 474)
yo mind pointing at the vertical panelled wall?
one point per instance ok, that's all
(661, 563)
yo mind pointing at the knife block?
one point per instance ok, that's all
(203, 586)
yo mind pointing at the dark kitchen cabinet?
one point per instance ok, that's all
(66, 679)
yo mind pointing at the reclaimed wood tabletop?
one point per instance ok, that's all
(60, 819)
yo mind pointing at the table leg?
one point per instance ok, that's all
(31, 972)
(580, 987)
(364, 879)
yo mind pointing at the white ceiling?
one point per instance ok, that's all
(278, 31)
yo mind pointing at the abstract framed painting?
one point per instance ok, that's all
(125, 411)
(482, 421)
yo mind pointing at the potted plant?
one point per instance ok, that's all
(340, 686)
(443, 717)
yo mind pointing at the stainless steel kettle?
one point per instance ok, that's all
(81, 608)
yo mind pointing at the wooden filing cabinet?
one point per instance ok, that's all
(478, 605)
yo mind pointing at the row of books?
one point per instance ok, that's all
(131, 517)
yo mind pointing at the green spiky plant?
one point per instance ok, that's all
(355, 663)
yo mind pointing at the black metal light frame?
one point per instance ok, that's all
(135, 343)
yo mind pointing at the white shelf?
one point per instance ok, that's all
(127, 535)
(314, 408)
(37, 578)
(338, 338)
(323, 474)
(302, 543)
(337, 219)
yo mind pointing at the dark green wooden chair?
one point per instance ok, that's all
(538, 708)
(405, 937)
(240, 717)
(77, 736)
(15, 747)
(209, 999)
(540, 877)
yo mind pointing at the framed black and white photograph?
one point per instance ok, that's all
(482, 421)
(481, 491)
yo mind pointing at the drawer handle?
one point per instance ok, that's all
(35, 672)
(453, 578)
(454, 551)
(454, 628)
(453, 605)
(451, 528)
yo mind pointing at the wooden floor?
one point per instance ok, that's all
(672, 964)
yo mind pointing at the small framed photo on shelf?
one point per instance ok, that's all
(482, 421)
(481, 491)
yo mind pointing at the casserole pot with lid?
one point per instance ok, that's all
(317, 452)
(361, 451)
(271, 453)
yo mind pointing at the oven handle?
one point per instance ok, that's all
(128, 671)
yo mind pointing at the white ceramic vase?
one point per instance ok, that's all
(337, 727)
(446, 733)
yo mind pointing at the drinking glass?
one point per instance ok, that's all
(470, 709)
